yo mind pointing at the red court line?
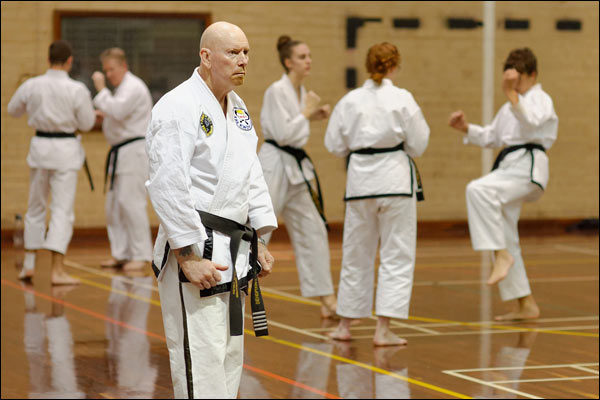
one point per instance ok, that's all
(162, 338)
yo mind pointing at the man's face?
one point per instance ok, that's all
(114, 69)
(230, 59)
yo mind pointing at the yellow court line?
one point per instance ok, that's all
(362, 365)
(297, 346)
(503, 327)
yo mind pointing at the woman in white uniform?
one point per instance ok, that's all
(285, 116)
(527, 125)
(379, 127)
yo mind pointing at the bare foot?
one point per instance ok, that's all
(62, 278)
(135, 265)
(26, 274)
(112, 263)
(525, 314)
(340, 333)
(388, 339)
(328, 306)
(502, 264)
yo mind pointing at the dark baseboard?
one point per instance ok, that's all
(425, 229)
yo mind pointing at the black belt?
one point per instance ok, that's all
(237, 233)
(510, 149)
(398, 147)
(114, 150)
(62, 135)
(299, 155)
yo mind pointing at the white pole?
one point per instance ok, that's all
(487, 113)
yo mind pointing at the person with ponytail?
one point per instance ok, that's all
(379, 127)
(285, 119)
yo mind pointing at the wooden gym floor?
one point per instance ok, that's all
(104, 338)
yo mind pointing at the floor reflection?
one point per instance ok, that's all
(514, 357)
(357, 382)
(128, 351)
(55, 328)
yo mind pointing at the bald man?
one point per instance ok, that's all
(207, 188)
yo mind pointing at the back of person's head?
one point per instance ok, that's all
(114, 53)
(59, 52)
(381, 59)
(285, 47)
(523, 60)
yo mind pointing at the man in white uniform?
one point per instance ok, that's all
(207, 188)
(126, 116)
(57, 106)
(527, 124)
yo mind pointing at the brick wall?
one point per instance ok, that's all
(441, 67)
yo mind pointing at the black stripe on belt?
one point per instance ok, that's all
(510, 149)
(62, 135)
(114, 153)
(398, 147)
(299, 155)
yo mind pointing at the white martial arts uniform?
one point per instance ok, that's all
(54, 103)
(494, 201)
(126, 116)
(201, 159)
(282, 120)
(380, 195)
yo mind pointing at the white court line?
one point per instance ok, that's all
(573, 249)
(481, 382)
(95, 271)
(572, 378)
(491, 331)
(594, 371)
(546, 366)
(291, 328)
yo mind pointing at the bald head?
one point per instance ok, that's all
(223, 56)
(221, 34)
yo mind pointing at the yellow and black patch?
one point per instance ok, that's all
(206, 124)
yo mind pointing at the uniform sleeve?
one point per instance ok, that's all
(334, 135)
(118, 106)
(417, 130)
(260, 212)
(84, 110)
(533, 110)
(170, 149)
(285, 128)
(484, 136)
(18, 103)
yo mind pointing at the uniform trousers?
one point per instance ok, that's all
(494, 205)
(392, 222)
(307, 232)
(206, 362)
(127, 219)
(61, 186)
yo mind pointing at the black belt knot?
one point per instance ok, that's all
(299, 155)
(510, 149)
(114, 153)
(63, 135)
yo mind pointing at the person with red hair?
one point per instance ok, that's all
(379, 127)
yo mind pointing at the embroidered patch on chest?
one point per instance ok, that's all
(242, 118)
(206, 124)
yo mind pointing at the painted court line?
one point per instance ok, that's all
(570, 378)
(479, 332)
(544, 366)
(574, 249)
(156, 336)
(494, 385)
(593, 371)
